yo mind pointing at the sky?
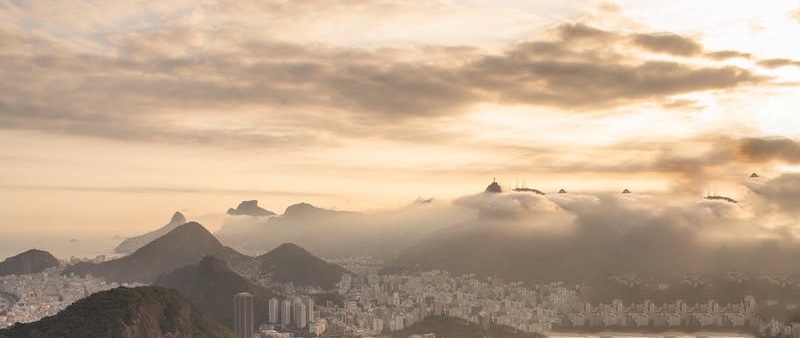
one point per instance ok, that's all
(115, 114)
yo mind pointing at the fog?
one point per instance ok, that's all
(557, 236)
(330, 233)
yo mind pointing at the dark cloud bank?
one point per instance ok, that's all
(148, 81)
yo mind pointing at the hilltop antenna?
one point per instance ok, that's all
(524, 185)
(516, 181)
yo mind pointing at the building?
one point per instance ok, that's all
(399, 323)
(377, 325)
(286, 312)
(300, 315)
(310, 307)
(243, 315)
(345, 283)
(274, 311)
(318, 327)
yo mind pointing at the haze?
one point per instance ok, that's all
(113, 116)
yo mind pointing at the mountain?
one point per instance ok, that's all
(253, 234)
(210, 285)
(291, 263)
(305, 210)
(514, 250)
(456, 327)
(31, 261)
(134, 243)
(617, 262)
(143, 312)
(250, 208)
(337, 233)
(185, 245)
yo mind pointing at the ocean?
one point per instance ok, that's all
(61, 246)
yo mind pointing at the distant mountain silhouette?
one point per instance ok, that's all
(526, 189)
(494, 187)
(295, 225)
(210, 285)
(597, 249)
(134, 243)
(144, 312)
(721, 198)
(31, 261)
(185, 245)
(516, 252)
(250, 208)
(335, 233)
(306, 210)
(291, 263)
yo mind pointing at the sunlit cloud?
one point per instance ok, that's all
(419, 99)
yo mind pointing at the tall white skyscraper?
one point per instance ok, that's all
(274, 311)
(310, 307)
(243, 325)
(286, 312)
(299, 317)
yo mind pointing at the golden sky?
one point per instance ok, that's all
(115, 114)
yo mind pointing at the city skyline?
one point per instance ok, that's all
(119, 114)
(399, 169)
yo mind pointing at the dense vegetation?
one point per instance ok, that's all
(291, 263)
(210, 285)
(124, 312)
(31, 261)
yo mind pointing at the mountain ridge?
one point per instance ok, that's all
(249, 208)
(211, 284)
(132, 244)
(291, 263)
(30, 261)
(142, 312)
(185, 245)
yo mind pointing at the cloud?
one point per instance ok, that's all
(165, 190)
(783, 190)
(668, 43)
(582, 84)
(728, 54)
(570, 201)
(769, 149)
(777, 63)
(190, 78)
(649, 235)
(682, 104)
(506, 205)
(578, 31)
(685, 166)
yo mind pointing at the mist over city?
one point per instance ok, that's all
(399, 169)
